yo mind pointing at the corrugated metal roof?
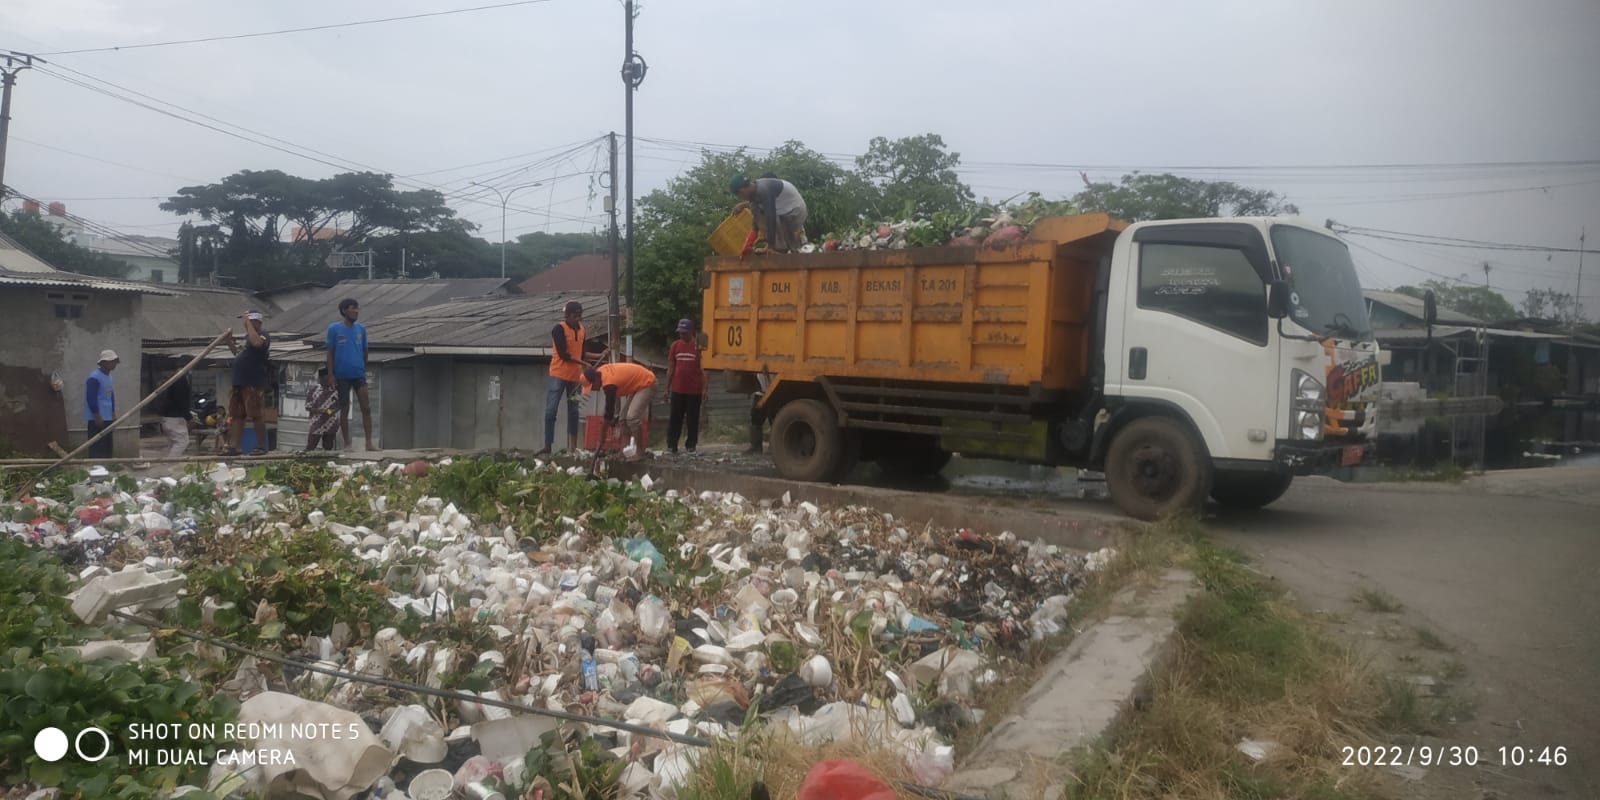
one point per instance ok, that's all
(380, 299)
(200, 313)
(1447, 331)
(318, 355)
(18, 267)
(1412, 307)
(585, 273)
(284, 351)
(513, 320)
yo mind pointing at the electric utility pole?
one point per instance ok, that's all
(11, 63)
(1578, 299)
(633, 69)
(613, 311)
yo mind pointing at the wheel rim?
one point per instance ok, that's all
(1154, 471)
(801, 440)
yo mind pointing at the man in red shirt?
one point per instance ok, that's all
(687, 383)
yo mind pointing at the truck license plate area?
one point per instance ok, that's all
(1351, 456)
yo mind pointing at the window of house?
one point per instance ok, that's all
(67, 306)
(1214, 286)
(157, 276)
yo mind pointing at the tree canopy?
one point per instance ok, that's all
(321, 216)
(1553, 305)
(269, 228)
(1481, 302)
(912, 175)
(1138, 197)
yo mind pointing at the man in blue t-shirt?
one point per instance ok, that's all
(347, 360)
(100, 404)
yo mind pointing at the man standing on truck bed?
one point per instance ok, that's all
(778, 209)
(627, 388)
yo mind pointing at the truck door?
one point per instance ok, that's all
(1195, 332)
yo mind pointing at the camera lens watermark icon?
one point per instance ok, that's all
(50, 744)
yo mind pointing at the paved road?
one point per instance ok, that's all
(1505, 567)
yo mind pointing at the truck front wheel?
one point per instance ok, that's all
(1249, 489)
(806, 441)
(1157, 467)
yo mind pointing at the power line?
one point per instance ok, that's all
(166, 113)
(1449, 241)
(1457, 279)
(311, 154)
(99, 159)
(502, 158)
(1345, 201)
(1026, 165)
(308, 29)
(131, 240)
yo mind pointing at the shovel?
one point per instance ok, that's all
(600, 450)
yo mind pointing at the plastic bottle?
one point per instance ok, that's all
(588, 670)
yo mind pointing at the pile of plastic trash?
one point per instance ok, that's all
(826, 623)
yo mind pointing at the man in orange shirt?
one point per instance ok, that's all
(566, 375)
(627, 388)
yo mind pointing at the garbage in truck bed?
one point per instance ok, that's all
(993, 226)
(530, 585)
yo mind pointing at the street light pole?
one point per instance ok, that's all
(505, 197)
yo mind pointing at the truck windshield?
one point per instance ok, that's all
(1326, 297)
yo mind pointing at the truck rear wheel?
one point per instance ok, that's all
(1249, 489)
(1157, 467)
(807, 444)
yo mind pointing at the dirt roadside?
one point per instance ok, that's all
(1503, 569)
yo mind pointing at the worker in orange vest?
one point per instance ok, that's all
(627, 388)
(566, 375)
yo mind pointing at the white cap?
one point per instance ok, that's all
(255, 315)
(109, 355)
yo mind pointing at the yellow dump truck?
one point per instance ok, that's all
(1183, 358)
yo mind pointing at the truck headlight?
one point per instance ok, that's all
(1308, 392)
(1308, 425)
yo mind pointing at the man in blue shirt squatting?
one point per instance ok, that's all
(347, 360)
(100, 403)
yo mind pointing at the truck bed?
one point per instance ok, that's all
(1017, 316)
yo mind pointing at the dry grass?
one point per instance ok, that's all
(1379, 601)
(1427, 638)
(1246, 664)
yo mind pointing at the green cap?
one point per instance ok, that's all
(738, 182)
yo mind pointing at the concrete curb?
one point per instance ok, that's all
(1082, 697)
(1081, 530)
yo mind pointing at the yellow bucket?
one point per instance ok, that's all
(728, 238)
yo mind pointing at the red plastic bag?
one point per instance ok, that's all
(842, 780)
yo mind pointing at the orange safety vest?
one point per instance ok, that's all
(569, 369)
(628, 378)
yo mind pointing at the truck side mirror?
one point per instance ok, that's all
(1278, 299)
(1430, 309)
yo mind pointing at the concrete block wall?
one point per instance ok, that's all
(37, 343)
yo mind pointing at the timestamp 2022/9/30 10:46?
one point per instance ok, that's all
(1454, 756)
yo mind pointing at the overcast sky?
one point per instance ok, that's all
(1026, 92)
